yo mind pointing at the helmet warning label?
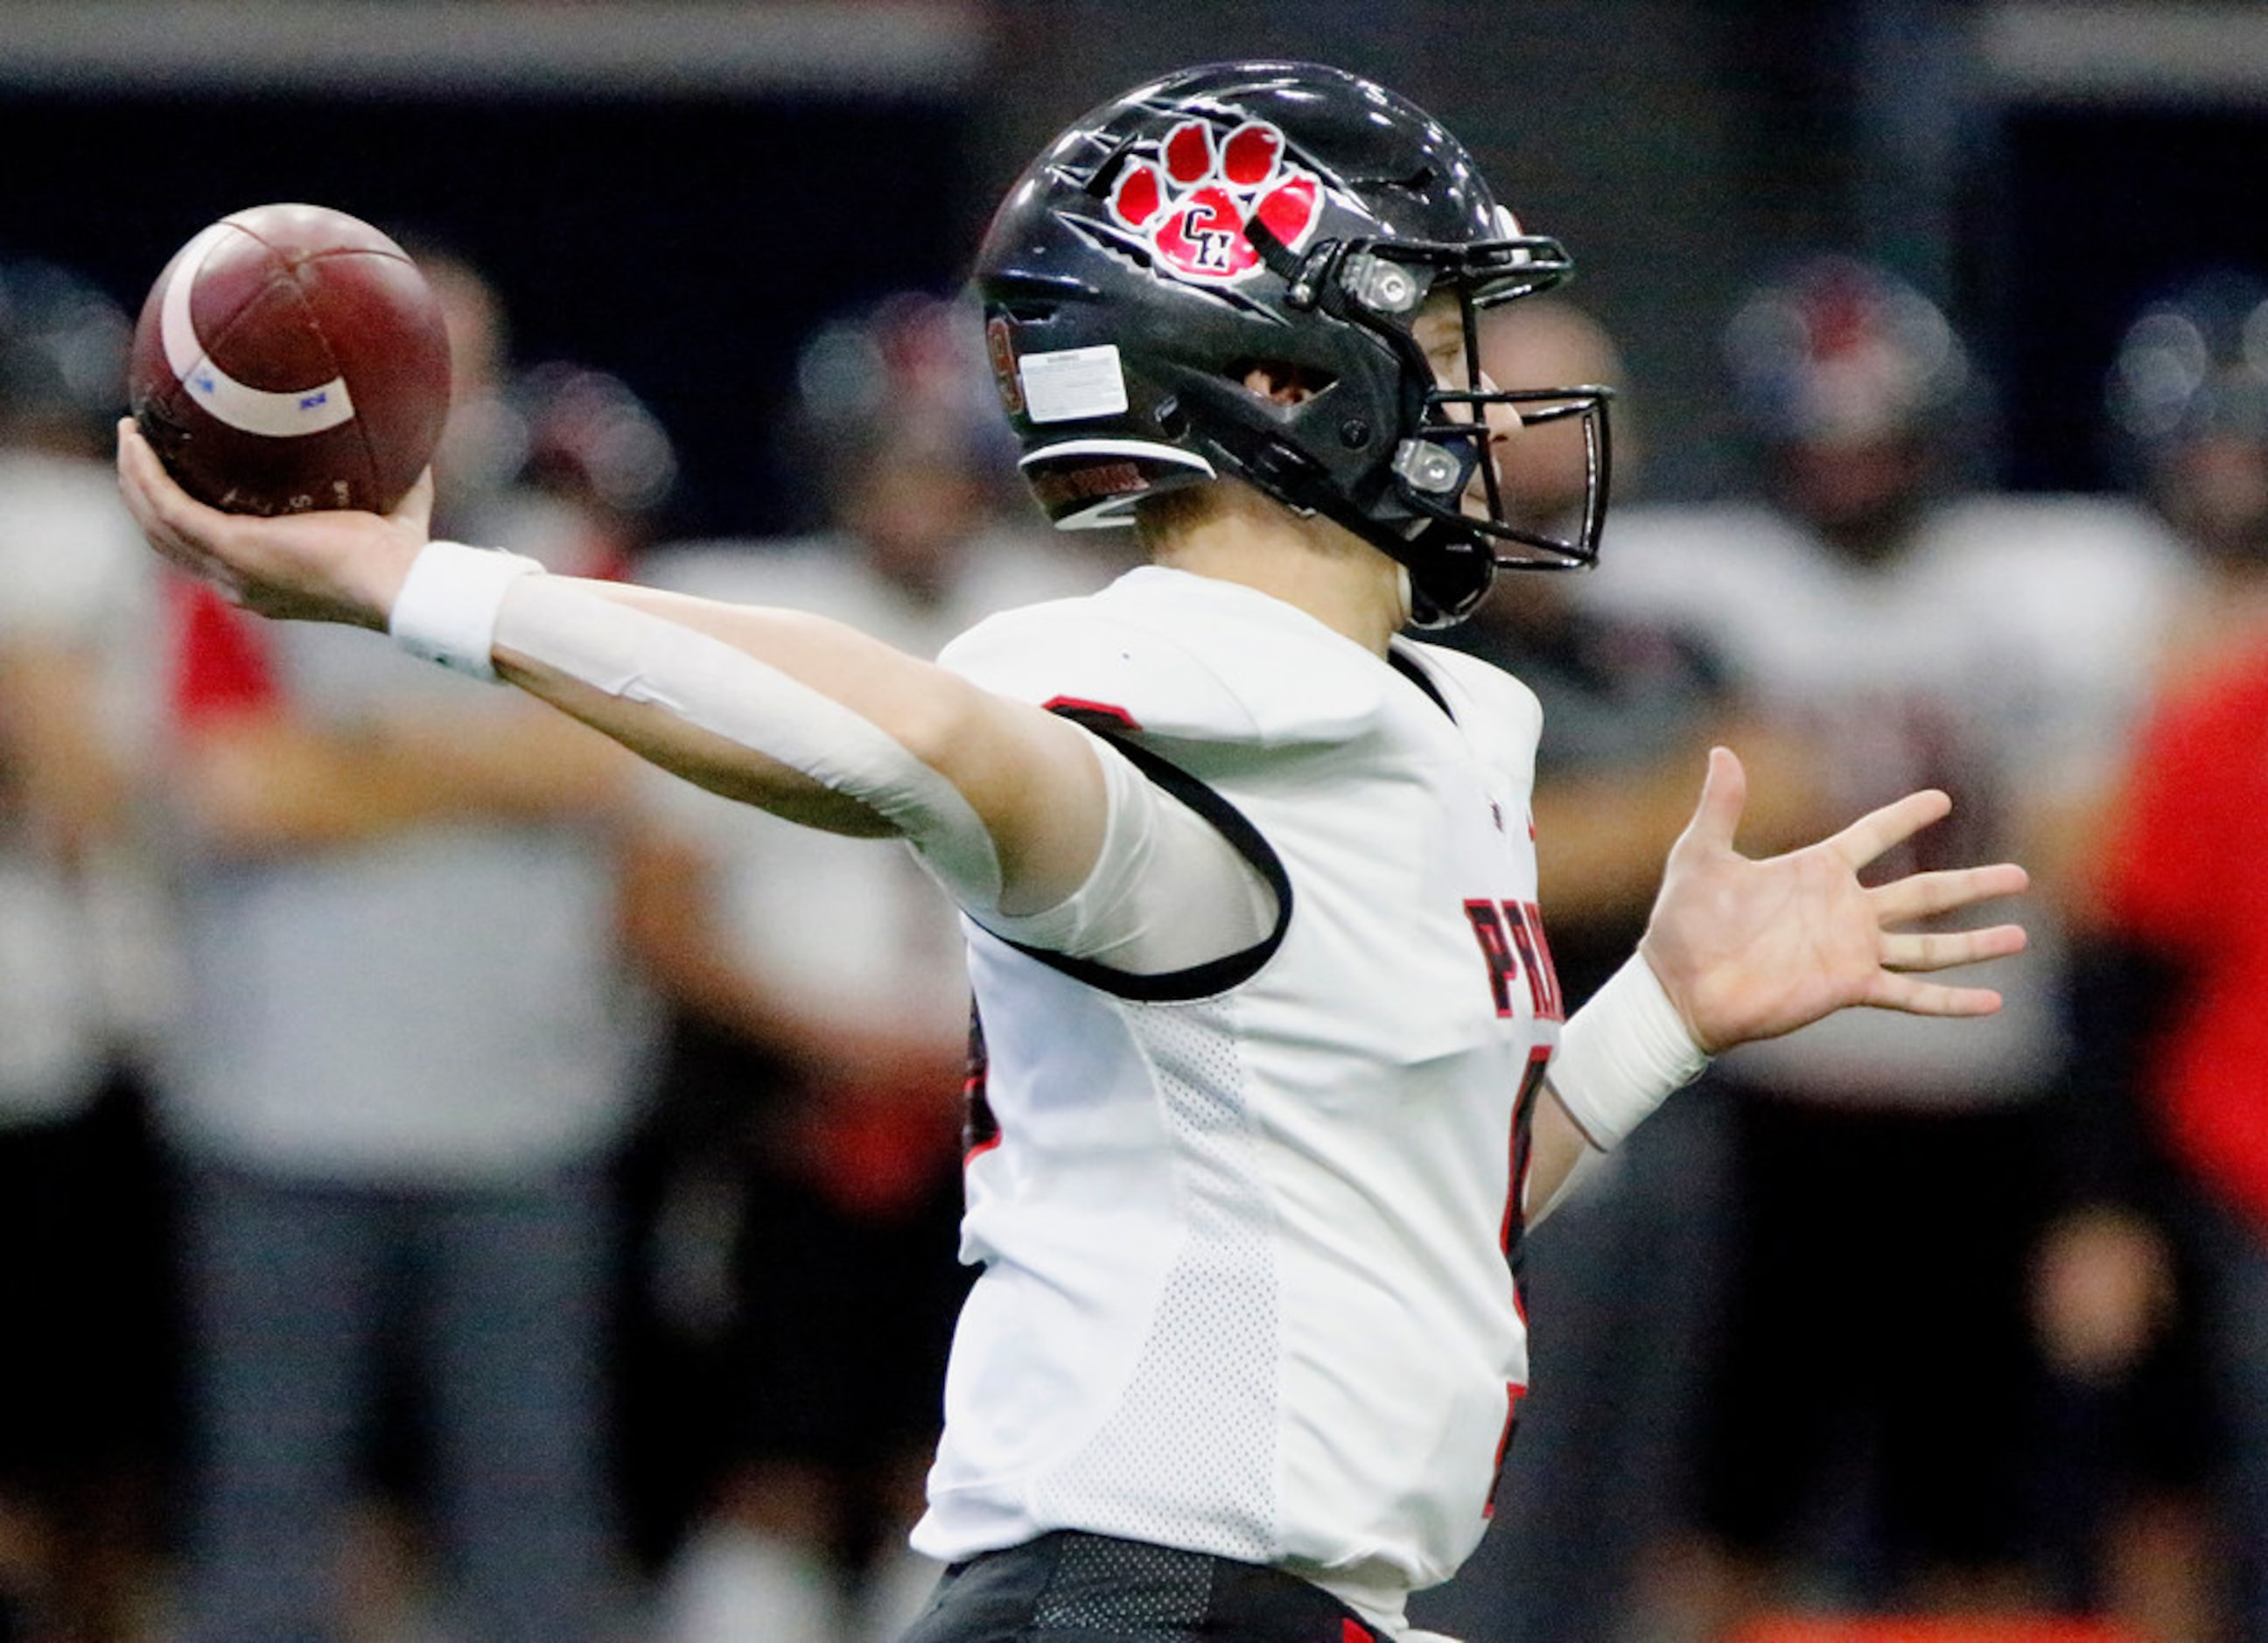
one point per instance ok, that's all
(1073, 383)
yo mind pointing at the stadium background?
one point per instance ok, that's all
(675, 190)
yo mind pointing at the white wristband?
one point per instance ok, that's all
(447, 611)
(1623, 1054)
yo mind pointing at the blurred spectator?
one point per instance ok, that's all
(2181, 899)
(1630, 709)
(82, 976)
(558, 461)
(824, 1013)
(410, 1054)
(1868, 1428)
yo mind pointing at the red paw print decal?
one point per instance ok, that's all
(1192, 202)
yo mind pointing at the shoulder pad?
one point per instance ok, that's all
(1172, 655)
(1499, 714)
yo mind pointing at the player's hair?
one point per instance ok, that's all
(1165, 515)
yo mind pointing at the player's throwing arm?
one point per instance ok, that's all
(797, 715)
(818, 723)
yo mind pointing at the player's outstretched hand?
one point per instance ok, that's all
(336, 566)
(1752, 949)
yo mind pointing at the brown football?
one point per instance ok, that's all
(291, 358)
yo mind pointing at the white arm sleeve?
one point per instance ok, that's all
(639, 656)
(1168, 892)
(447, 608)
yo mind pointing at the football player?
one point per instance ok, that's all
(2170, 1345)
(1276, 1071)
(1860, 593)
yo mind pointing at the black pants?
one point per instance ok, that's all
(1071, 1588)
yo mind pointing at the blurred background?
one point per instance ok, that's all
(696, 252)
(678, 191)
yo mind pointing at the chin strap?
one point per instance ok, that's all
(1304, 276)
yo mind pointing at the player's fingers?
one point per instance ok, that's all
(1893, 824)
(176, 523)
(138, 467)
(151, 495)
(1930, 998)
(1944, 949)
(133, 480)
(1927, 895)
(1724, 795)
(135, 465)
(163, 494)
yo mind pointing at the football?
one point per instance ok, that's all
(291, 358)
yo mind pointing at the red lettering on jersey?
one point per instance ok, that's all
(1352, 1632)
(1510, 934)
(1512, 1393)
(1526, 921)
(1496, 952)
(1524, 1123)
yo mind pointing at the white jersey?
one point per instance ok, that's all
(1244, 1236)
(84, 947)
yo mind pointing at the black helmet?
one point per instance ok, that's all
(904, 372)
(63, 349)
(1839, 351)
(1283, 214)
(2194, 363)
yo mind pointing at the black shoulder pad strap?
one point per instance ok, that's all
(1218, 976)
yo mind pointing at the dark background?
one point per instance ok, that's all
(2104, 208)
(684, 244)
(684, 229)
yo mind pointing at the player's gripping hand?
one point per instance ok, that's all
(334, 566)
(1752, 949)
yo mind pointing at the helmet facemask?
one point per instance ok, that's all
(1447, 503)
(1438, 503)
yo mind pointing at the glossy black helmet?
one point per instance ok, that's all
(1287, 215)
(2193, 364)
(2186, 410)
(64, 344)
(1838, 351)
